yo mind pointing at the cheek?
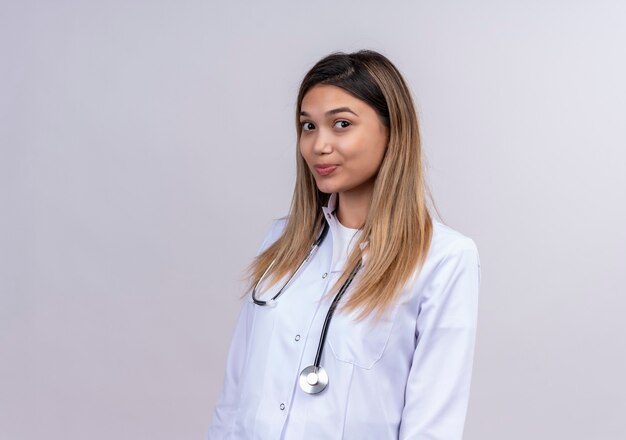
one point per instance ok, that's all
(303, 150)
(307, 153)
(365, 154)
(366, 164)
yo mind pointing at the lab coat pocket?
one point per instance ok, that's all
(361, 343)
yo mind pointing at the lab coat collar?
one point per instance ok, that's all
(331, 205)
(331, 218)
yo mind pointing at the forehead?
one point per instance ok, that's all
(323, 97)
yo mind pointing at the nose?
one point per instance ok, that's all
(323, 142)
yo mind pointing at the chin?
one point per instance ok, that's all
(326, 188)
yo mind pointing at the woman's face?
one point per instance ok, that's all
(343, 132)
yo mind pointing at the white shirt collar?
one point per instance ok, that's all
(331, 218)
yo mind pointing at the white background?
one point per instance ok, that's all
(146, 146)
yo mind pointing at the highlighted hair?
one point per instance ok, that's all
(398, 226)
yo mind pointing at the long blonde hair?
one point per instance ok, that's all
(398, 227)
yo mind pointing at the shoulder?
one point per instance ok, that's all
(451, 248)
(449, 241)
(278, 226)
(274, 231)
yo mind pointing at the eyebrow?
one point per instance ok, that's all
(333, 111)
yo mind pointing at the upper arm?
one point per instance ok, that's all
(438, 385)
(227, 402)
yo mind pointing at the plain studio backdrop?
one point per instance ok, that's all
(146, 147)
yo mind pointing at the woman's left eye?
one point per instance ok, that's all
(344, 124)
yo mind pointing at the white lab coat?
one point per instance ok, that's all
(405, 377)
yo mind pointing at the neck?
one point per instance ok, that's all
(353, 206)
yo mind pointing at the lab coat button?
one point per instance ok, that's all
(297, 338)
(282, 406)
(325, 275)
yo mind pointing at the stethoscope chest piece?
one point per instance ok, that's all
(313, 379)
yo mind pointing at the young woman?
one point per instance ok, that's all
(360, 317)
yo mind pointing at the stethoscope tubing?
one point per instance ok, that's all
(314, 247)
(331, 311)
(313, 379)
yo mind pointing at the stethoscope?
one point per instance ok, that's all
(313, 379)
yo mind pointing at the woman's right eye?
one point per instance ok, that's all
(306, 126)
